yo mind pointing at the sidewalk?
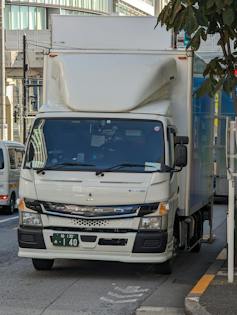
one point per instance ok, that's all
(213, 294)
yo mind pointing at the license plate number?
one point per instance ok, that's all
(65, 240)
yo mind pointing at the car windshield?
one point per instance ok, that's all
(96, 144)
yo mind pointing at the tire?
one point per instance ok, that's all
(199, 233)
(43, 264)
(165, 268)
(11, 207)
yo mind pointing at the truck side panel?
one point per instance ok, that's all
(201, 177)
(193, 117)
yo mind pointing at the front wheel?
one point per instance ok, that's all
(43, 264)
(11, 207)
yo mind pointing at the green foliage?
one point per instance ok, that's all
(200, 19)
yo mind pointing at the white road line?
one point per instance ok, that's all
(9, 219)
(117, 302)
(119, 296)
(131, 289)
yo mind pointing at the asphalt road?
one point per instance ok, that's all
(96, 288)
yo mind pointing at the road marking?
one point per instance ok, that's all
(130, 294)
(9, 219)
(202, 284)
(119, 296)
(131, 289)
(117, 302)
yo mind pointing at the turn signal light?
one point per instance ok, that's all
(163, 208)
(21, 204)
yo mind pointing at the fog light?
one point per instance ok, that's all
(150, 223)
(30, 218)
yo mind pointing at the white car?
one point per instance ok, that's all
(11, 154)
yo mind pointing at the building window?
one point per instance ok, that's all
(8, 17)
(122, 8)
(32, 18)
(101, 5)
(25, 18)
(41, 19)
(15, 17)
(96, 5)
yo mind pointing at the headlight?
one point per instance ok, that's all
(33, 204)
(30, 218)
(150, 223)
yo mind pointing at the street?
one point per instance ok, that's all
(90, 287)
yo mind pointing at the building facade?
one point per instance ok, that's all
(33, 18)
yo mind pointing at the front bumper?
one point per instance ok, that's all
(140, 247)
(31, 238)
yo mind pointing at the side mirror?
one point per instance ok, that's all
(180, 155)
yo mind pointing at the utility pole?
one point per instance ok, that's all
(2, 75)
(25, 69)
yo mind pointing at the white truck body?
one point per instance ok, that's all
(113, 79)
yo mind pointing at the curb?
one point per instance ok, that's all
(191, 303)
(150, 310)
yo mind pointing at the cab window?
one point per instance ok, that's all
(12, 158)
(1, 160)
(171, 134)
(19, 158)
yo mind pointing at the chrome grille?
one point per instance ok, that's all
(89, 223)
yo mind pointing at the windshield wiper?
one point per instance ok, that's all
(118, 166)
(60, 165)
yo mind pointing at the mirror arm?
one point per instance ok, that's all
(175, 170)
(171, 170)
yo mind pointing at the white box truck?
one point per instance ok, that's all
(118, 165)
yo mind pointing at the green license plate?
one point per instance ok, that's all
(65, 240)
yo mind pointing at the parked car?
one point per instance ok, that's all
(11, 154)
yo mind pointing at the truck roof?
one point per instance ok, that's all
(109, 64)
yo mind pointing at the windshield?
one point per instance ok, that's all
(95, 144)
